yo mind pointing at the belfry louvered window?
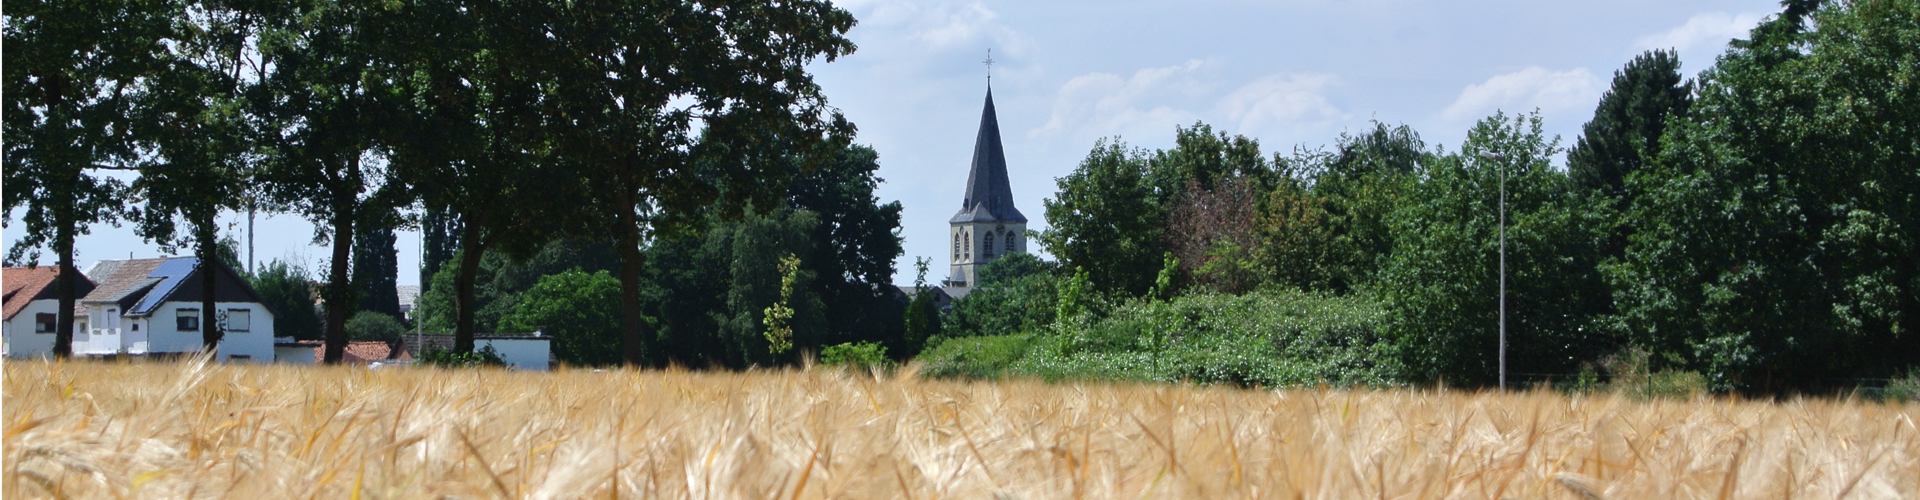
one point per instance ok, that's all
(986, 250)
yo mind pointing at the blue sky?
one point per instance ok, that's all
(1287, 73)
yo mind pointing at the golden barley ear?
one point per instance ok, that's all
(1586, 487)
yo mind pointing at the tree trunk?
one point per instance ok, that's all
(463, 277)
(339, 291)
(633, 341)
(65, 287)
(211, 329)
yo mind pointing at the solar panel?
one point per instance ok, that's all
(171, 274)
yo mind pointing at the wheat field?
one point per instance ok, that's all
(194, 430)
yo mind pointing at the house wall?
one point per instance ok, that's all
(299, 354)
(162, 336)
(22, 342)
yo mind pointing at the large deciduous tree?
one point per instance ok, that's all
(1107, 220)
(1776, 235)
(626, 84)
(1440, 281)
(193, 127)
(323, 109)
(72, 71)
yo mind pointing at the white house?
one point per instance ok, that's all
(152, 306)
(33, 307)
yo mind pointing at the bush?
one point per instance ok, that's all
(484, 356)
(369, 326)
(1264, 338)
(580, 310)
(1904, 388)
(856, 354)
(984, 357)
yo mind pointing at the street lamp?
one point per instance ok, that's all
(1501, 161)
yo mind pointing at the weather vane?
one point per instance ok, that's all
(989, 63)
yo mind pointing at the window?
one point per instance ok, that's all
(45, 323)
(956, 246)
(969, 252)
(186, 320)
(1010, 249)
(239, 320)
(986, 251)
(136, 327)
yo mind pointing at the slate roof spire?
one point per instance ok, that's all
(989, 194)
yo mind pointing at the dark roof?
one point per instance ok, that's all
(140, 285)
(989, 193)
(23, 285)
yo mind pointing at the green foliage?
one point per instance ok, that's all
(288, 290)
(864, 355)
(984, 357)
(923, 314)
(1904, 388)
(779, 333)
(485, 356)
(370, 326)
(1263, 338)
(376, 266)
(501, 281)
(1440, 283)
(1626, 128)
(579, 310)
(1106, 219)
(1775, 237)
(1015, 294)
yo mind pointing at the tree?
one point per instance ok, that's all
(1015, 295)
(923, 314)
(323, 114)
(502, 281)
(1106, 220)
(439, 239)
(855, 245)
(623, 84)
(1440, 281)
(376, 265)
(287, 290)
(373, 326)
(73, 69)
(1627, 124)
(579, 310)
(470, 137)
(1776, 232)
(1359, 186)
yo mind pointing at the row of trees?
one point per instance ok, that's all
(1757, 225)
(525, 121)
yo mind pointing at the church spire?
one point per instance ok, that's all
(989, 194)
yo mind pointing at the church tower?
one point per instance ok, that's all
(988, 226)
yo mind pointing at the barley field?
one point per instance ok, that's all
(191, 430)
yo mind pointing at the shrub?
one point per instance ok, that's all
(484, 356)
(856, 354)
(983, 357)
(369, 326)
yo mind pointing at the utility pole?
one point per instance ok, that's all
(1501, 163)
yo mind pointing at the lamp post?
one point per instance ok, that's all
(1501, 163)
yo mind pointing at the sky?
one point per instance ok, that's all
(1069, 73)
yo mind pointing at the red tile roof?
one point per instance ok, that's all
(23, 285)
(360, 353)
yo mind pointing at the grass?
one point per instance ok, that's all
(187, 430)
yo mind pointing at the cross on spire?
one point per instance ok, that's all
(989, 63)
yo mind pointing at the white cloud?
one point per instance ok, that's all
(1102, 104)
(1703, 37)
(1282, 105)
(1526, 90)
(935, 24)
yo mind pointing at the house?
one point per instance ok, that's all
(408, 295)
(33, 307)
(152, 306)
